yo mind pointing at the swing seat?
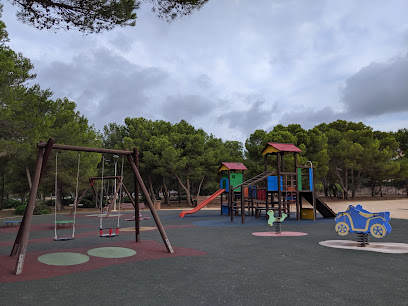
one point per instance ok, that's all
(64, 238)
(110, 233)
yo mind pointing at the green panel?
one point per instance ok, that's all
(236, 179)
(300, 179)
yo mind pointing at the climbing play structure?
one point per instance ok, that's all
(43, 154)
(283, 188)
(362, 222)
(233, 176)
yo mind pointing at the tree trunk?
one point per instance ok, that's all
(166, 193)
(28, 177)
(179, 195)
(353, 186)
(343, 181)
(58, 199)
(186, 189)
(151, 190)
(372, 189)
(199, 186)
(2, 190)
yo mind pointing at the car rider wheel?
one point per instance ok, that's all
(342, 228)
(378, 230)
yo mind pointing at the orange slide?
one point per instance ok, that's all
(205, 202)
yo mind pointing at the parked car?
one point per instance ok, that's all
(358, 220)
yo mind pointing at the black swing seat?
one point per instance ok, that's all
(64, 238)
(108, 235)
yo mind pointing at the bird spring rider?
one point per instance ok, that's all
(276, 222)
(362, 222)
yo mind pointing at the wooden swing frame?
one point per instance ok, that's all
(44, 151)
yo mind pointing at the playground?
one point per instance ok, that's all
(215, 261)
(245, 244)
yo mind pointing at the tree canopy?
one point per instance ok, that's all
(94, 16)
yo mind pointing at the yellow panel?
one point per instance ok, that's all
(269, 149)
(307, 213)
(223, 168)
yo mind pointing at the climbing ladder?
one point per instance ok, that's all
(255, 179)
(289, 195)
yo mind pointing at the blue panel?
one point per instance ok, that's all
(253, 190)
(273, 183)
(224, 184)
(311, 179)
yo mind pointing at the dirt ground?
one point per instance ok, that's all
(396, 205)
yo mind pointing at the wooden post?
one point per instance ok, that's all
(48, 147)
(151, 206)
(230, 195)
(266, 185)
(242, 205)
(297, 188)
(279, 185)
(137, 208)
(24, 231)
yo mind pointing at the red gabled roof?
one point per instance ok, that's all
(285, 147)
(235, 166)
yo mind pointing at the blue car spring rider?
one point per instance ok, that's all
(360, 221)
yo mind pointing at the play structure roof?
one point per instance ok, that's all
(232, 166)
(273, 147)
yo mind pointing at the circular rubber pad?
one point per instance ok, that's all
(111, 252)
(381, 247)
(281, 234)
(63, 259)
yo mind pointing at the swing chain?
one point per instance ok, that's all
(56, 190)
(101, 201)
(76, 196)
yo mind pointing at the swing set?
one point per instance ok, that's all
(44, 151)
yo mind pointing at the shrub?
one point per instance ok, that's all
(41, 210)
(19, 210)
(67, 201)
(87, 203)
(50, 202)
(89, 197)
(38, 210)
(11, 203)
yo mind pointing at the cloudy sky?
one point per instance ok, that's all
(234, 66)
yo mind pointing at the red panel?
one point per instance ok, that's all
(235, 166)
(285, 147)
